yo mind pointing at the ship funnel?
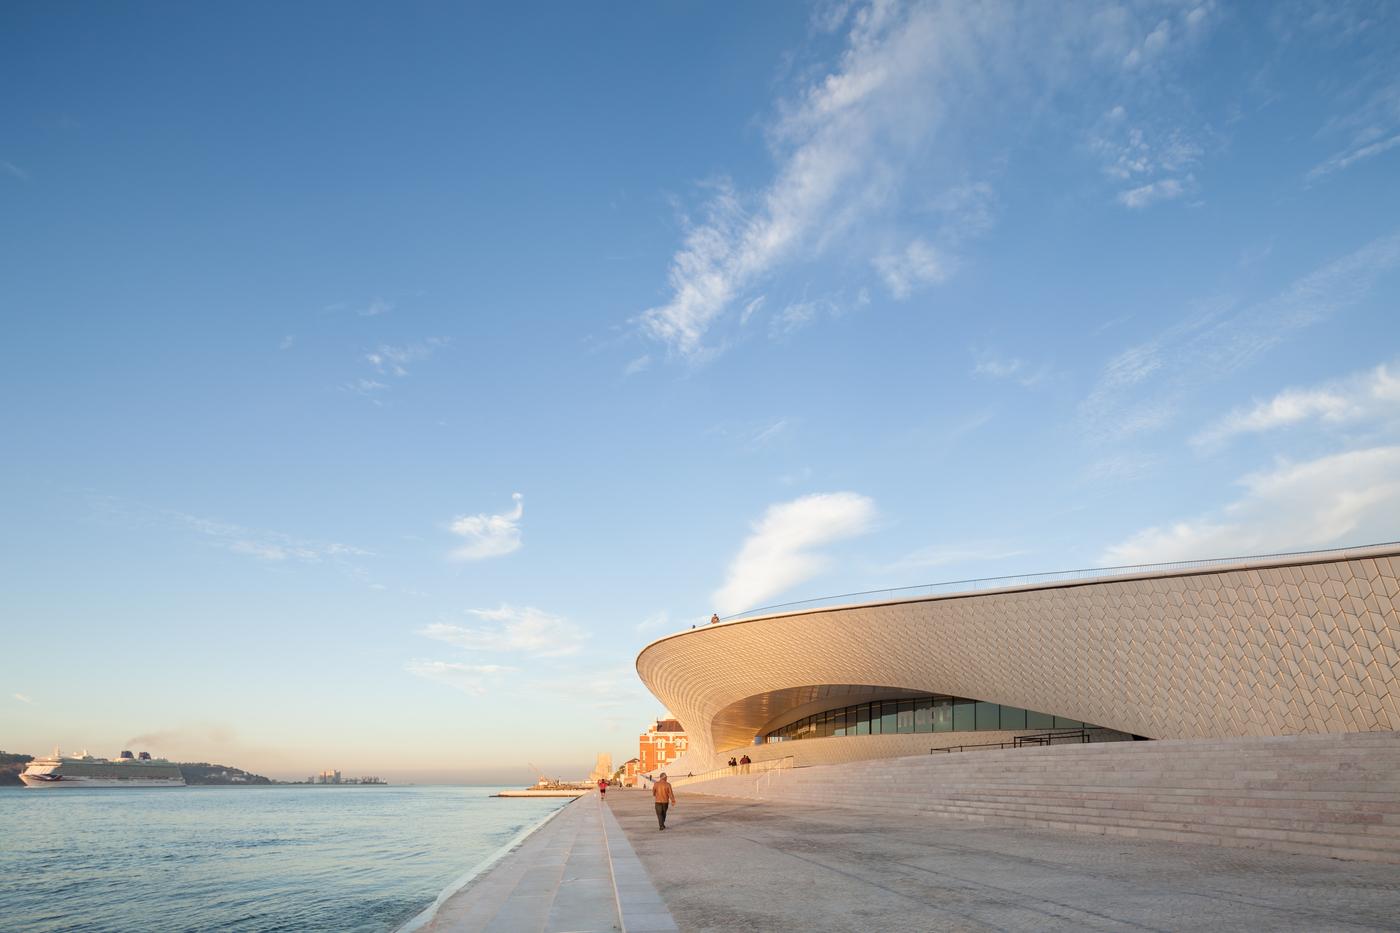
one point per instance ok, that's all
(126, 755)
(145, 756)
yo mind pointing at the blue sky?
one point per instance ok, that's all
(381, 379)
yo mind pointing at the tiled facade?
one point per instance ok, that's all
(1307, 644)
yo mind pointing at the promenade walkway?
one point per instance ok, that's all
(576, 874)
(729, 864)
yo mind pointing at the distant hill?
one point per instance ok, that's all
(202, 772)
(195, 772)
(11, 764)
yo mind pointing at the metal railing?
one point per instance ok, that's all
(755, 767)
(995, 583)
(1067, 737)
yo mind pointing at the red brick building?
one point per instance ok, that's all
(660, 745)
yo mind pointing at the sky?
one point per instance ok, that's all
(380, 379)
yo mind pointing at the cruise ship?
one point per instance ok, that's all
(59, 770)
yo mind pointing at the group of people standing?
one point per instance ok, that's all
(742, 765)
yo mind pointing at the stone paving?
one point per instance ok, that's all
(727, 864)
(576, 874)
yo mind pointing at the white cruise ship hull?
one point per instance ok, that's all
(31, 781)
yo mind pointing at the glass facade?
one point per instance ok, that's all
(921, 714)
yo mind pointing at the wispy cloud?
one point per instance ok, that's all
(942, 556)
(267, 545)
(891, 108)
(1167, 189)
(287, 342)
(475, 679)
(23, 699)
(992, 366)
(13, 170)
(918, 264)
(389, 359)
(1142, 387)
(376, 307)
(489, 535)
(1346, 498)
(841, 147)
(1372, 396)
(637, 365)
(1349, 157)
(518, 629)
(1156, 163)
(656, 622)
(780, 551)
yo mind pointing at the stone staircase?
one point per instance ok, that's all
(1329, 795)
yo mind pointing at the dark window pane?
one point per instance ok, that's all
(863, 719)
(889, 718)
(1036, 720)
(964, 715)
(906, 716)
(838, 722)
(1013, 717)
(923, 715)
(1063, 723)
(942, 714)
(988, 717)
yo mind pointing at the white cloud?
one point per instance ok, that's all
(928, 557)
(287, 342)
(792, 319)
(778, 554)
(14, 170)
(638, 365)
(1142, 387)
(887, 117)
(992, 366)
(388, 359)
(376, 307)
(770, 432)
(1348, 157)
(268, 545)
(1373, 395)
(23, 699)
(1344, 499)
(489, 535)
(919, 264)
(1165, 190)
(842, 146)
(476, 679)
(526, 630)
(656, 622)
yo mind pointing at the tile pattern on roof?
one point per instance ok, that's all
(1259, 651)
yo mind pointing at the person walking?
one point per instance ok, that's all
(664, 796)
(602, 787)
(744, 764)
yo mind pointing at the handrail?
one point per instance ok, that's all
(1021, 741)
(988, 583)
(754, 767)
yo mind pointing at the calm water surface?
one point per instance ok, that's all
(243, 858)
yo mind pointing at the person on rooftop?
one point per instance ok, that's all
(714, 618)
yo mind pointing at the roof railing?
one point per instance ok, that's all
(995, 583)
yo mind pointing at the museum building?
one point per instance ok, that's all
(1265, 646)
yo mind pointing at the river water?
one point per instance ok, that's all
(360, 858)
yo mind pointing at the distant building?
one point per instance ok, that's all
(660, 745)
(603, 770)
(630, 773)
(328, 777)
